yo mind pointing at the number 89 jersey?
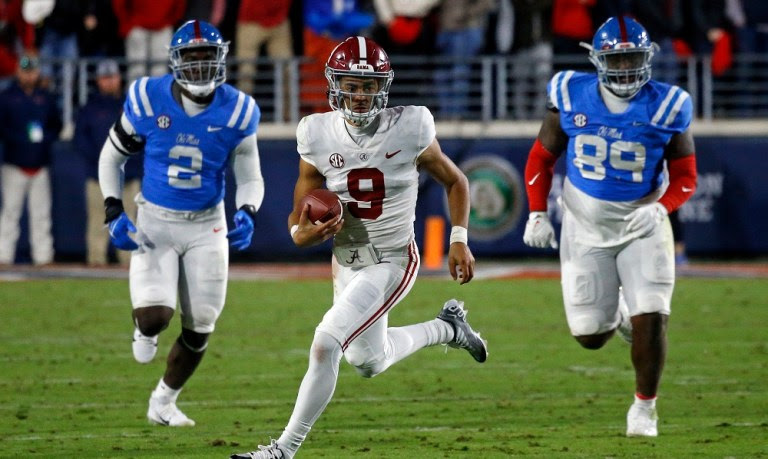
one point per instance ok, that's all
(185, 157)
(374, 174)
(617, 156)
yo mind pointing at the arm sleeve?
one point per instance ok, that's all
(682, 182)
(247, 170)
(539, 171)
(112, 160)
(111, 163)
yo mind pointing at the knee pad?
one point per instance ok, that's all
(362, 356)
(371, 369)
(195, 342)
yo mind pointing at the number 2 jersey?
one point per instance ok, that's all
(375, 176)
(185, 157)
(614, 161)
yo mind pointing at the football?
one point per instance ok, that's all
(324, 205)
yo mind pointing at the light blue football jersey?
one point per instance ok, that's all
(617, 157)
(185, 157)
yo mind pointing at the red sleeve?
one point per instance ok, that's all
(682, 182)
(538, 176)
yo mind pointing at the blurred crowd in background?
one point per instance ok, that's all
(137, 30)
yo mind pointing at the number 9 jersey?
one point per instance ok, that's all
(617, 156)
(185, 157)
(375, 175)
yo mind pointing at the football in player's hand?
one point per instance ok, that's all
(324, 205)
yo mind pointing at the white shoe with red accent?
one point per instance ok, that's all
(641, 420)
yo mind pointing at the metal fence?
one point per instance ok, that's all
(485, 88)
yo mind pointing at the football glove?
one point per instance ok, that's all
(539, 232)
(240, 237)
(118, 232)
(643, 220)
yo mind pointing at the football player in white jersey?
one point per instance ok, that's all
(189, 126)
(620, 131)
(369, 156)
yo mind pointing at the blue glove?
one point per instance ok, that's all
(240, 237)
(118, 232)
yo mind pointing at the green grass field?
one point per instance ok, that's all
(69, 387)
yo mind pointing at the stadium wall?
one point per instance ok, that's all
(726, 216)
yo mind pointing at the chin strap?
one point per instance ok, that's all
(199, 90)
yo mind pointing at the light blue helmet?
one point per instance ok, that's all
(622, 52)
(203, 71)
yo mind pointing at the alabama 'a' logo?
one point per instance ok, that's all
(336, 160)
(163, 121)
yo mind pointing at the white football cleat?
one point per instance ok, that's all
(273, 451)
(144, 347)
(625, 326)
(164, 412)
(642, 420)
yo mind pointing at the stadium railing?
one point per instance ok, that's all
(485, 88)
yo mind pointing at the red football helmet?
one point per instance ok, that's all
(358, 57)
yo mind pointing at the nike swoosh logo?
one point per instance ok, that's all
(389, 155)
(164, 422)
(214, 128)
(687, 190)
(216, 230)
(533, 180)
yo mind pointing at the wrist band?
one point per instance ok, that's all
(458, 234)
(294, 228)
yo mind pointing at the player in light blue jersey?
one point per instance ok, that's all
(629, 162)
(190, 126)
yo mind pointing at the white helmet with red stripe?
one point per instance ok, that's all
(352, 68)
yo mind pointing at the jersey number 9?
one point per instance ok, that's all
(366, 186)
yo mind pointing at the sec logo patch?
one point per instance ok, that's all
(163, 121)
(580, 120)
(336, 160)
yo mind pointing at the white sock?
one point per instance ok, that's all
(315, 392)
(404, 341)
(650, 403)
(164, 391)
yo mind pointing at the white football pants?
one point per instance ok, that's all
(356, 325)
(184, 256)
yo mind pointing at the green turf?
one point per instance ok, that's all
(69, 387)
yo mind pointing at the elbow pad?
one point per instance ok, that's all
(125, 143)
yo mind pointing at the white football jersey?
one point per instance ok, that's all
(375, 175)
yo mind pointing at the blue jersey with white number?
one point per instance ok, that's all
(185, 157)
(617, 157)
